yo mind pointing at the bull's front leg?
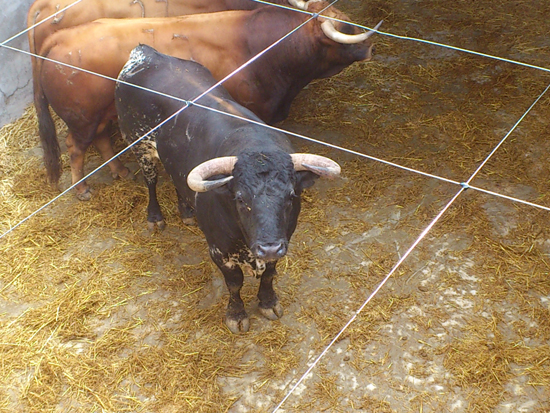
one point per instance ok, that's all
(147, 158)
(269, 305)
(236, 318)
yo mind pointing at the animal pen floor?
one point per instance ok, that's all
(96, 314)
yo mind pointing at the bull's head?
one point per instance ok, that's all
(265, 189)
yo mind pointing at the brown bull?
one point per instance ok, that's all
(220, 41)
(89, 10)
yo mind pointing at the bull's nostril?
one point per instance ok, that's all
(260, 252)
(270, 251)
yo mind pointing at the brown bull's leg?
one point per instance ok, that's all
(269, 304)
(102, 142)
(76, 159)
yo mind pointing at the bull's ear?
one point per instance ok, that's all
(305, 179)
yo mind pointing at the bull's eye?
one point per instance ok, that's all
(240, 201)
(290, 198)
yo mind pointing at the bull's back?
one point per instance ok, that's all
(198, 37)
(81, 13)
(104, 46)
(197, 133)
(183, 79)
(89, 10)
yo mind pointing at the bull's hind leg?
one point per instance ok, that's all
(102, 142)
(269, 304)
(77, 151)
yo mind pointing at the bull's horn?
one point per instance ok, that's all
(330, 31)
(320, 165)
(197, 179)
(300, 4)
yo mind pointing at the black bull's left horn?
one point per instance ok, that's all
(197, 179)
(330, 31)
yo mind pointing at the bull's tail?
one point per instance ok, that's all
(48, 135)
(46, 126)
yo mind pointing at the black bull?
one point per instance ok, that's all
(243, 181)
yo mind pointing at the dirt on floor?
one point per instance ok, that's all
(99, 315)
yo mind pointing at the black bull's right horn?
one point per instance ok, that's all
(197, 179)
(330, 31)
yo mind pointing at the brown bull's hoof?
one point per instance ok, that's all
(272, 313)
(237, 326)
(159, 224)
(84, 196)
(124, 174)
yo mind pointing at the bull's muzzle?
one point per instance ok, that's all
(270, 251)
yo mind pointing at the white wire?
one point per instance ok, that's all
(378, 288)
(39, 23)
(465, 185)
(267, 126)
(401, 260)
(521, 201)
(508, 134)
(414, 39)
(459, 49)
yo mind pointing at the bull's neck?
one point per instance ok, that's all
(291, 64)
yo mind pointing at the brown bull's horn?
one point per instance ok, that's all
(197, 179)
(302, 5)
(330, 31)
(299, 4)
(320, 165)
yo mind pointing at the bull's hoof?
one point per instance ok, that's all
(273, 313)
(84, 196)
(189, 221)
(237, 325)
(124, 174)
(158, 224)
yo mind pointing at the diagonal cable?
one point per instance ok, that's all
(383, 161)
(39, 23)
(367, 301)
(508, 134)
(399, 262)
